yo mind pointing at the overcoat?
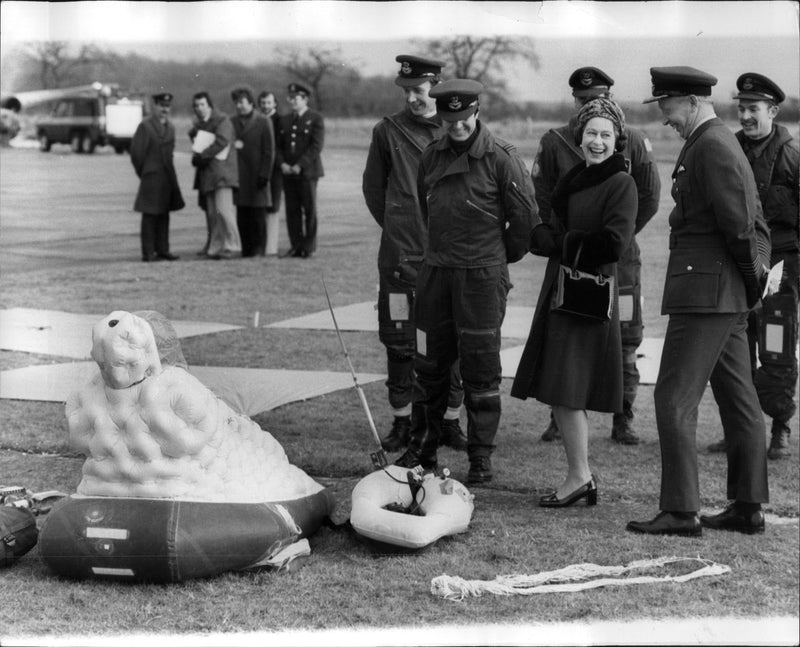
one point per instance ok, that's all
(300, 141)
(151, 151)
(568, 360)
(558, 153)
(389, 184)
(256, 157)
(218, 173)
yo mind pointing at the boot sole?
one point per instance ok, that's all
(694, 532)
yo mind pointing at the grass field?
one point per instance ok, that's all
(70, 242)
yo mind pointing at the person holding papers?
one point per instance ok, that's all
(217, 176)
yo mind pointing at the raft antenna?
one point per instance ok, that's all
(379, 457)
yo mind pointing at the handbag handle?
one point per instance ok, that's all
(577, 258)
(599, 278)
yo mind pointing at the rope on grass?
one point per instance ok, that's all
(576, 577)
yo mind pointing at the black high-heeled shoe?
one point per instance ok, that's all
(586, 491)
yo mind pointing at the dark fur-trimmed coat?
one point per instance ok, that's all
(568, 360)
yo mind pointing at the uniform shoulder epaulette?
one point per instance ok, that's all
(506, 146)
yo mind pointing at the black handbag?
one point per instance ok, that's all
(583, 294)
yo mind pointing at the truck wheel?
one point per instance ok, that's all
(119, 149)
(44, 142)
(87, 144)
(75, 140)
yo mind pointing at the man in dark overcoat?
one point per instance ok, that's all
(557, 154)
(715, 274)
(268, 104)
(254, 146)
(389, 184)
(301, 136)
(152, 151)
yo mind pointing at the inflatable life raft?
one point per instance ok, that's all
(382, 499)
(166, 540)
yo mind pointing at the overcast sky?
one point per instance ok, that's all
(760, 36)
(323, 19)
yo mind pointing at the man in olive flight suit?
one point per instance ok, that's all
(390, 191)
(477, 199)
(772, 329)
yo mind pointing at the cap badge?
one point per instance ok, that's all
(747, 84)
(405, 68)
(455, 103)
(586, 79)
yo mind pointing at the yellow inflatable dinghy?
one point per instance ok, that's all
(406, 508)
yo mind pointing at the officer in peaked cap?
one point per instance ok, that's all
(680, 81)
(477, 201)
(774, 156)
(457, 100)
(389, 185)
(151, 153)
(556, 155)
(416, 69)
(297, 88)
(757, 87)
(590, 83)
(298, 145)
(716, 274)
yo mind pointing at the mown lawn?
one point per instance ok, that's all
(75, 248)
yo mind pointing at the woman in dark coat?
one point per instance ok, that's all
(570, 362)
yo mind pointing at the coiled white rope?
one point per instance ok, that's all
(576, 577)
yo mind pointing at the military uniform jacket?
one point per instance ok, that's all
(775, 166)
(389, 184)
(152, 151)
(256, 158)
(300, 141)
(714, 263)
(478, 205)
(218, 173)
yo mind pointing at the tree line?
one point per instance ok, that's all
(339, 89)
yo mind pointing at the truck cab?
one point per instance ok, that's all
(102, 116)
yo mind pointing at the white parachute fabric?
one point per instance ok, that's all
(576, 577)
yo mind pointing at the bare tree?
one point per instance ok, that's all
(483, 58)
(312, 67)
(59, 67)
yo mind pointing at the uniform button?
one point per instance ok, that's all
(689, 268)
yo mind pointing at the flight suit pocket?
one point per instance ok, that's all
(693, 283)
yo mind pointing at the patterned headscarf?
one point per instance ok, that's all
(602, 107)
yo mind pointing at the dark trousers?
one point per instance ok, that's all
(155, 234)
(252, 223)
(699, 348)
(301, 212)
(629, 272)
(275, 189)
(397, 333)
(458, 316)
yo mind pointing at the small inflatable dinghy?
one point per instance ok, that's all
(407, 508)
